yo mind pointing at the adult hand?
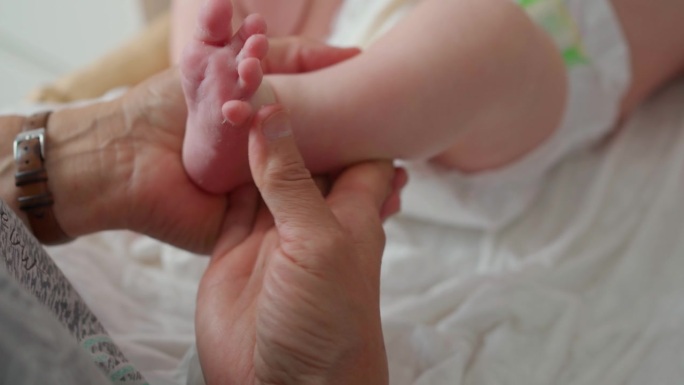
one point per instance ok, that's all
(293, 298)
(123, 158)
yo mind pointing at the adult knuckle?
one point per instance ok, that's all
(288, 173)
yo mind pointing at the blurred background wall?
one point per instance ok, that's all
(43, 39)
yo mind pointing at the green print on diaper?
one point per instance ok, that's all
(554, 17)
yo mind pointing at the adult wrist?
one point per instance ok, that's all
(11, 127)
(82, 167)
(35, 198)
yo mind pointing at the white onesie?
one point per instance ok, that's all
(590, 39)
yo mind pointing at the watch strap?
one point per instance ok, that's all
(35, 198)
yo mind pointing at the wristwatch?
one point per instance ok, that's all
(31, 178)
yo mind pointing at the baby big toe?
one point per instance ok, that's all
(214, 23)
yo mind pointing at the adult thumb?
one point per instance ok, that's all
(283, 180)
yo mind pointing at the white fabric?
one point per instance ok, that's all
(360, 22)
(495, 198)
(585, 288)
(143, 293)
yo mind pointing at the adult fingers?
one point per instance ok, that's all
(392, 204)
(371, 188)
(238, 223)
(357, 198)
(296, 55)
(361, 198)
(363, 188)
(285, 184)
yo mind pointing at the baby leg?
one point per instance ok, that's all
(221, 72)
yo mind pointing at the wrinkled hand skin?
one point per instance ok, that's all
(295, 299)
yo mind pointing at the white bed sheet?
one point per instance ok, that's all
(587, 287)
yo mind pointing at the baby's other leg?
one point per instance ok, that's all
(220, 74)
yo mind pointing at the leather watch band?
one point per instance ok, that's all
(35, 198)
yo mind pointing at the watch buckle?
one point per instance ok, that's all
(28, 135)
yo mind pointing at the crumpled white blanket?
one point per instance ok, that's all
(587, 287)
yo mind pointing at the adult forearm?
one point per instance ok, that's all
(85, 161)
(86, 166)
(82, 165)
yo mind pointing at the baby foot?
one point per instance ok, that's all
(221, 73)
